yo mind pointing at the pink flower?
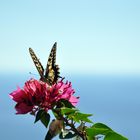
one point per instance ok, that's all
(23, 102)
(32, 95)
(65, 91)
(36, 91)
(37, 94)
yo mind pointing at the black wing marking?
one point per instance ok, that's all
(37, 63)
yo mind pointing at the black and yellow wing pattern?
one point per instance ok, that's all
(52, 70)
(51, 73)
(37, 63)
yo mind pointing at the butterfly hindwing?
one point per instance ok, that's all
(37, 63)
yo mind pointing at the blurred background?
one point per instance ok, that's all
(98, 50)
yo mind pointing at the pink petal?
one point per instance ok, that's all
(22, 108)
(17, 95)
(74, 100)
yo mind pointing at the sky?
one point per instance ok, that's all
(93, 36)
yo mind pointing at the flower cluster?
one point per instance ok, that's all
(37, 94)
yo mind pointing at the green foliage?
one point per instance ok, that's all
(114, 136)
(45, 119)
(64, 103)
(38, 115)
(48, 136)
(64, 109)
(78, 117)
(43, 116)
(68, 111)
(102, 129)
(75, 115)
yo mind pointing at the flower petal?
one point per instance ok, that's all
(23, 108)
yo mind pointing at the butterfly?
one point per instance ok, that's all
(51, 73)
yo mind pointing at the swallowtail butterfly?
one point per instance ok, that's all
(51, 73)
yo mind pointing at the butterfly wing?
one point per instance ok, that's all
(52, 70)
(37, 63)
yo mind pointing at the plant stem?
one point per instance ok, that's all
(71, 125)
(74, 129)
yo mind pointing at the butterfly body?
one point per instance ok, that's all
(51, 73)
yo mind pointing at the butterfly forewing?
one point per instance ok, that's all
(37, 63)
(52, 70)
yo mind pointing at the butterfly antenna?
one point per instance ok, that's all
(33, 74)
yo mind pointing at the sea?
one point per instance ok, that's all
(112, 99)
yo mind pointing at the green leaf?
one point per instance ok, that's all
(92, 132)
(48, 136)
(64, 103)
(43, 116)
(102, 129)
(114, 136)
(45, 119)
(101, 125)
(56, 112)
(78, 117)
(74, 114)
(38, 115)
(110, 134)
(98, 129)
(67, 111)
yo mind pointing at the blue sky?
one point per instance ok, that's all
(93, 36)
